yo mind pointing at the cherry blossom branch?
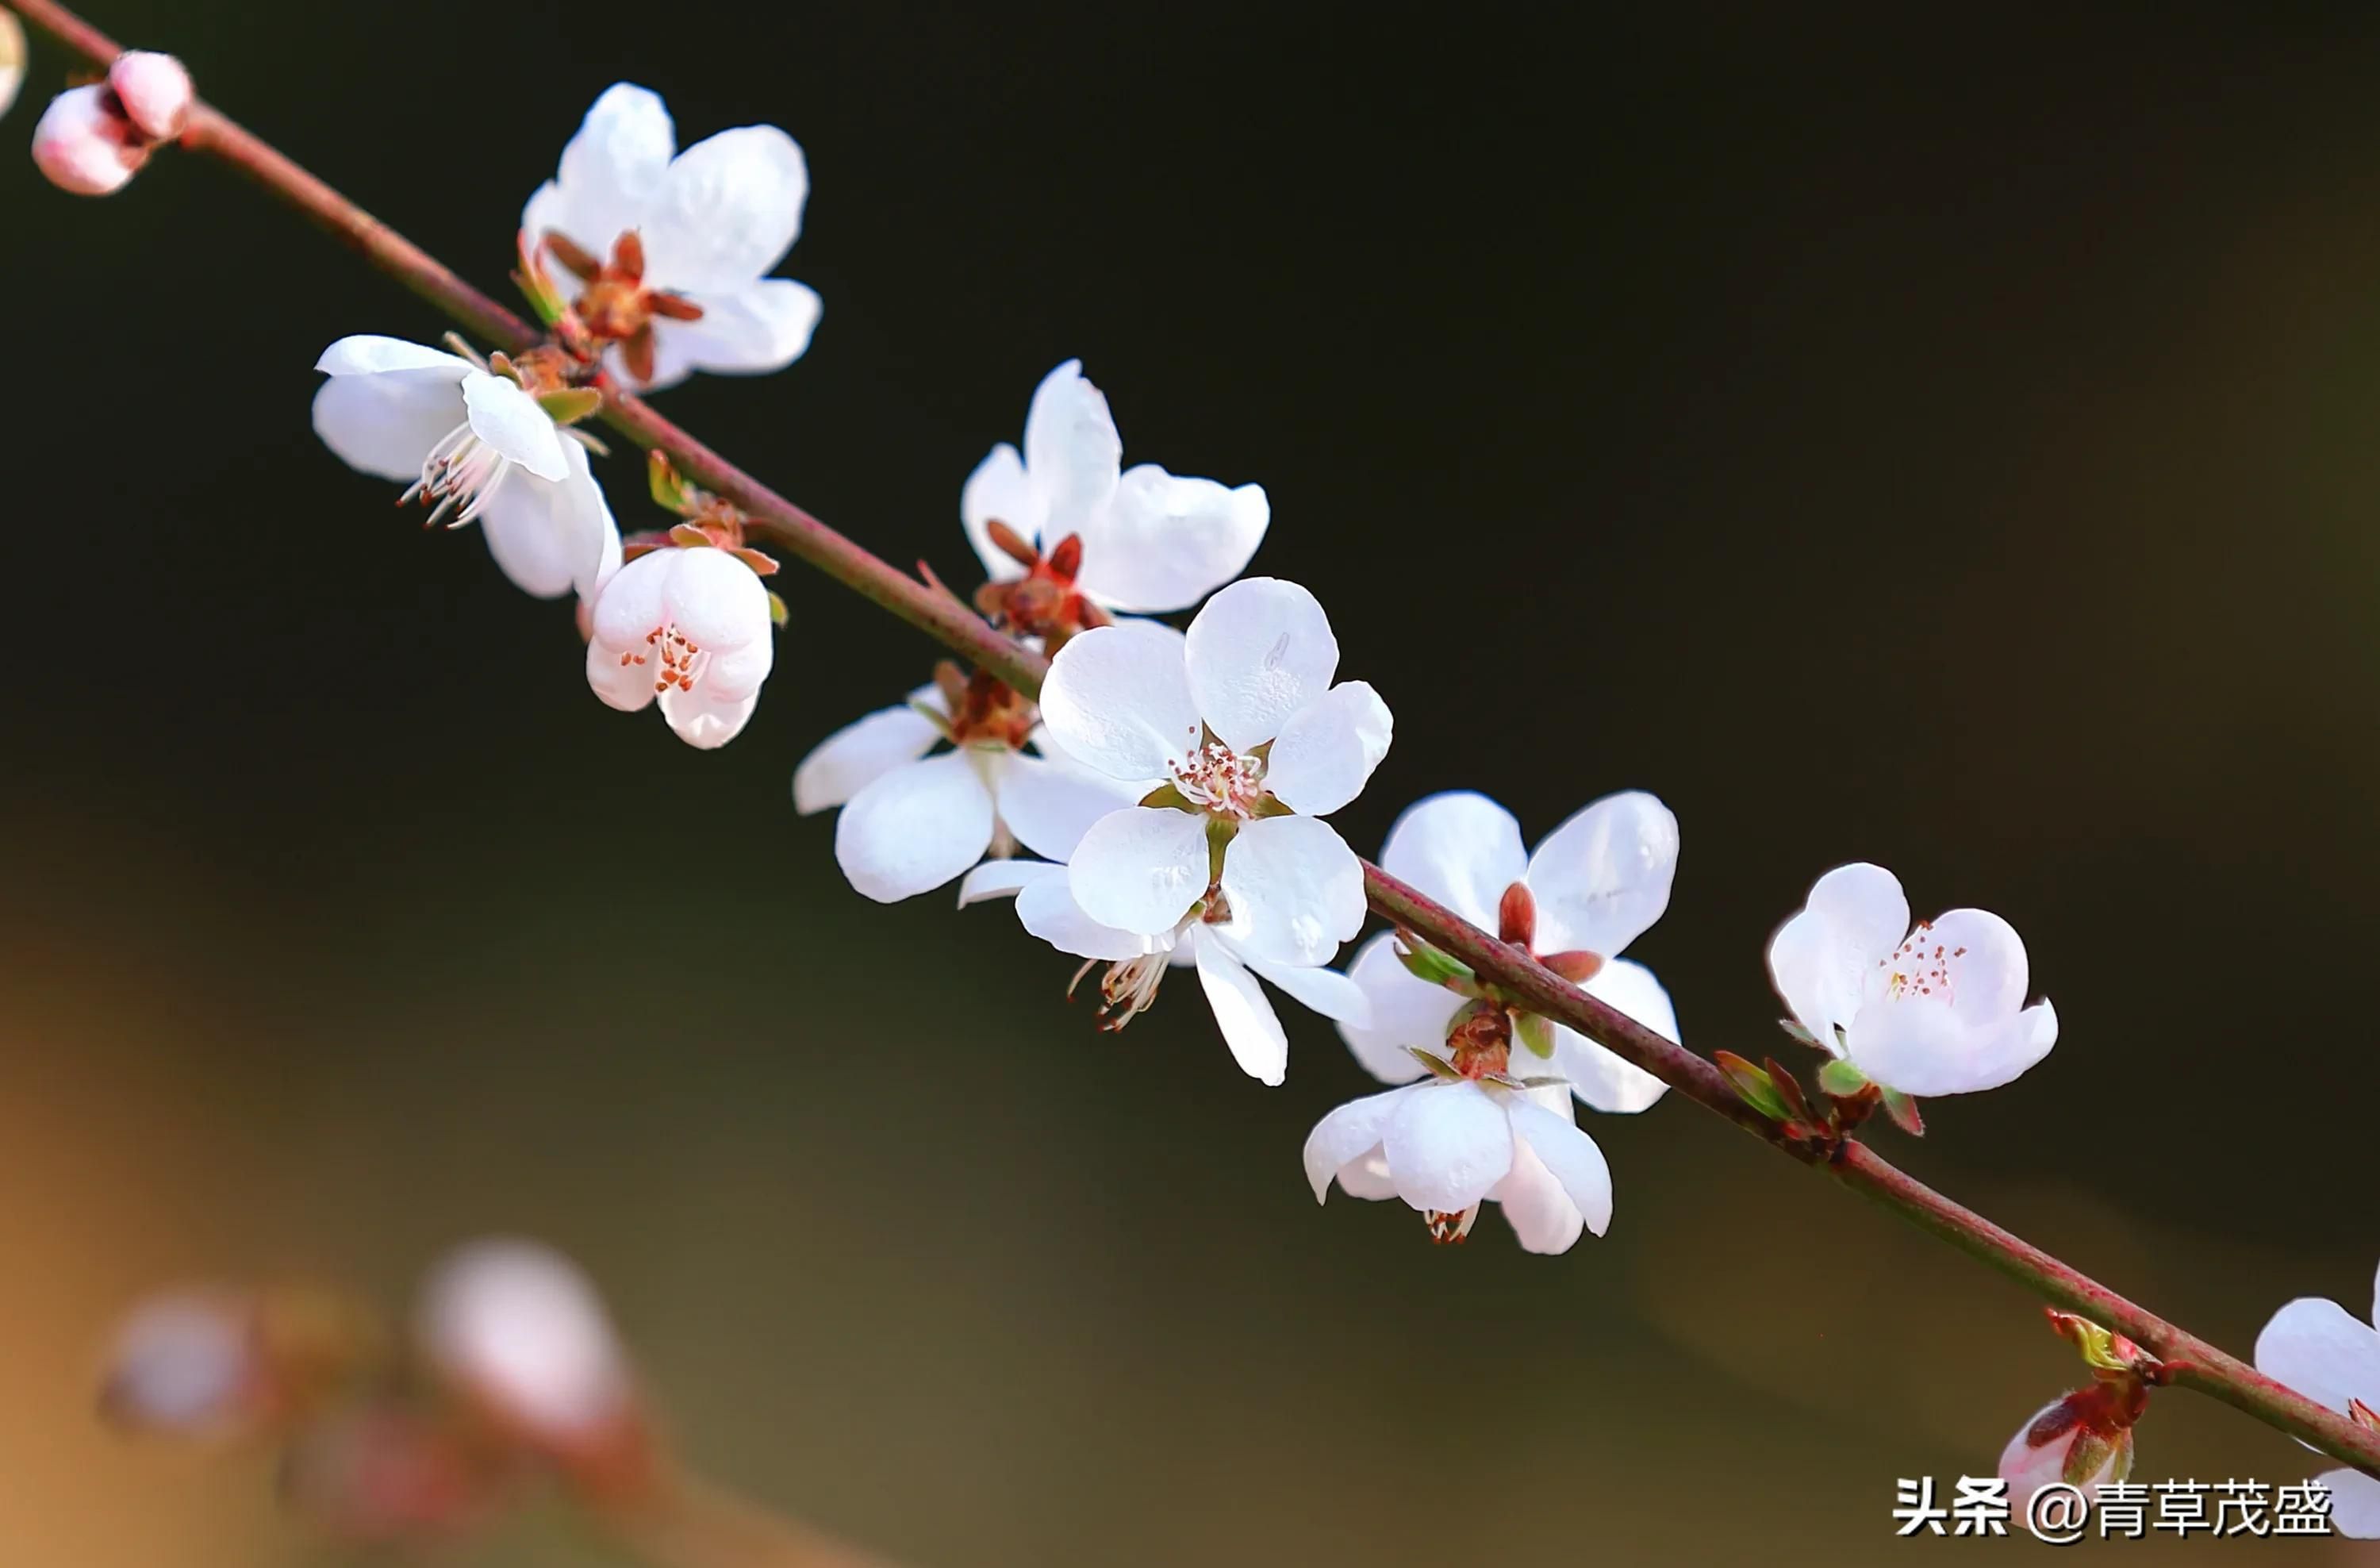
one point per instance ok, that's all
(2192, 1362)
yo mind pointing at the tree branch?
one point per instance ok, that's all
(1852, 1164)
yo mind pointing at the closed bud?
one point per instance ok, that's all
(12, 58)
(155, 91)
(84, 146)
(2082, 1440)
(1516, 916)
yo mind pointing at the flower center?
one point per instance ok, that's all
(1450, 1228)
(1216, 779)
(613, 303)
(461, 470)
(673, 659)
(1920, 966)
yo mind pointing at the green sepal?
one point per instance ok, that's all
(1841, 1080)
(1795, 1031)
(570, 405)
(1435, 1064)
(1752, 1086)
(1424, 962)
(1166, 797)
(1537, 1032)
(778, 614)
(669, 490)
(1903, 1108)
(2083, 1461)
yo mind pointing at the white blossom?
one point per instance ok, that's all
(1933, 1009)
(518, 1327)
(473, 445)
(1598, 881)
(1151, 543)
(1447, 1146)
(689, 627)
(2332, 1357)
(706, 227)
(185, 1363)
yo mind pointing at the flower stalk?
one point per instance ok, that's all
(685, 1527)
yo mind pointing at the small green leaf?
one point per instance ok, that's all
(1752, 1086)
(1537, 1034)
(1903, 1112)
(671, 493)
(570, 405)
(1841, 1080)
(778, 614)
(1427, 962)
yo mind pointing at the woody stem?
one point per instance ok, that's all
(1852, 1164)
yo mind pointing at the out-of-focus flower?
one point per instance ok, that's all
(1936, 1009)
(84, 146)
(519, 1329)
(190, 1364)
(690, 626)
(472, 445)
(1149, 541)
(1595, 885)
(1450, 1143)
(154, 91)
(673, 249)
(12, 58)
(2332, 1357)
(386, 1474)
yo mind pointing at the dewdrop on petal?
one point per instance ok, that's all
(187, 1365)
(84, 146)
(520, 1330)
(12, 58)
(155, 91)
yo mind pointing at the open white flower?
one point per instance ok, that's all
(911, 822)
(1228, 968)
(1936, 1009)
(1446, 1146)
(2332, 1357)
(689, 289)
(1151, 543)
(474, 446)
(1597, 882)
(690, 626)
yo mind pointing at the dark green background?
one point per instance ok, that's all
(1938, 436)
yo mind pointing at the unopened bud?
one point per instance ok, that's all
(519, 1330)
(84, 146)
(2075, 1439)
(1516, 916)
(156, 91)
(12, 58)
(186, 1364)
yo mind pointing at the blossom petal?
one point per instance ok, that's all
(1540, 1212)
(620, 682)
(1571, 1155)
(1140, 868)
(1406, 1011)
(1051, 805)
(727, 211)
(385, 423)
(633, 602)
(1046, 909)
(1447, 1145)
(1326, 992)
(2354, 1503)
(2323, 1351)
(1817, 980)
(999, 491)
(1987, 962)
(858, 754)
(551, 539)
(1250, 1027)
(611, 171)
(1118, 699)
(716, 600)
(707, 717)
(1163, 544)
(914, 828)
(1597, 1076)
(1602, 878)
(1259, 652)
(1866, 908)
(1296, 891)
(1006, 879)
(509, 419)
(369, 353)
(1462, 849)
(1326, 753)
(757, 329)
(1071, 451)
(1346, 1134)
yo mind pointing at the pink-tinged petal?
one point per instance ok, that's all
(1447, 1145)
(1259, 652)
(2323, 1351)
(1296, 891)
(999, 491)
(1462, 849)
(1140, 870)
(1539, 1212)
(1072, 450)
(1407, 1012)
(1983, 957)
(1118, 700)
(1345, 1136)
(858, 754)
(1049, 805)
(914, 828)
(85, 148)
(707, 719)
(1919, 1048)
(524, 1330)
(1570, 1154)
(727, 211)
(622, 683)
(612, 169)
(1163, 544)
(1250, 1027)
(1046, 909)
(1326, 992)
(385, 423)
(155, 90)
(2354, 1503)
(1865, 906)
(1007, 878)
(1602, 878)
(1326, 753)
(1598, 1078)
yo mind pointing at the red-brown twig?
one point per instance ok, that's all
(1851, 1164)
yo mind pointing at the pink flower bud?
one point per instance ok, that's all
(185, 1364)
(84, 146)
(12, 58)
(155, 90)
(2072, 1440)
(519, 1329)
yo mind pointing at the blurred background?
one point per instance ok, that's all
(1940, 436)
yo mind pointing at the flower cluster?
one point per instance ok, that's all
(93, 139)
